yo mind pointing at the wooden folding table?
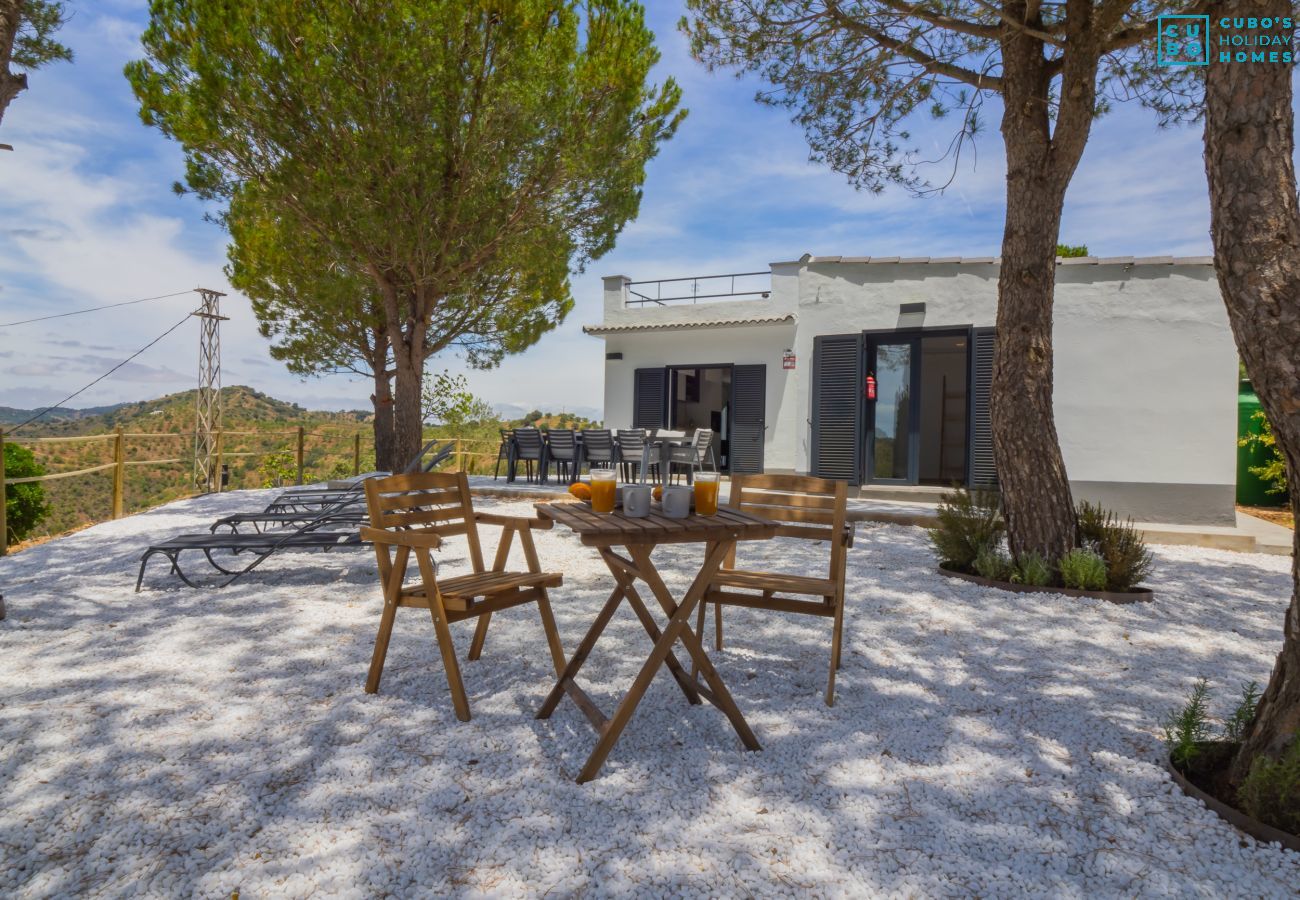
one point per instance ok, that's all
(639, 537)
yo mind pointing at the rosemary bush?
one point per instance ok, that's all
(1189, 727)
(969, 522)
(1128, 560)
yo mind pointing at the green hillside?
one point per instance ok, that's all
(259, 447)
(266, 449)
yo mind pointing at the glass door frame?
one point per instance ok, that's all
(871, 344)
(870, 340)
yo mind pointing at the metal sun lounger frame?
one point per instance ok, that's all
(313, 534)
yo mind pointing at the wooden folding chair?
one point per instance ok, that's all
(808, 508)
(411, 514)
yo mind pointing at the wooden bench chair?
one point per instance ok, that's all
(808, 508)
(411, 515)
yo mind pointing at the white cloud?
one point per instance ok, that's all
(88, 217)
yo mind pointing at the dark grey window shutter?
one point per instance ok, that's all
(983, 471)
(748, 418)
(836, 450)
(649, 398)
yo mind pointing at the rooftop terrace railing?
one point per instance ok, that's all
(701, 287)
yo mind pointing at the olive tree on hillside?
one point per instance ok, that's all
(462, 156)
(1255, 223)
(855, 71)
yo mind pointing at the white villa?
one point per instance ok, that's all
(780, 365)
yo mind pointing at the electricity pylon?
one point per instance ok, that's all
(207, 422)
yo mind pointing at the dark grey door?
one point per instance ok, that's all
(748, 418)
(983, 471)
(837, 407)
(650, 398)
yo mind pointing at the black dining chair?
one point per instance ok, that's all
(503, 453)
(692, 455)
(562, 450)
(631, 447)
(598, 448)
(529, 449)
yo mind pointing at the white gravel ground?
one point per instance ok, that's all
(183, 743)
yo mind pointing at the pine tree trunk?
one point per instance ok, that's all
(408, 413)
(382, 398)
(1255, 224)
(1036, 498)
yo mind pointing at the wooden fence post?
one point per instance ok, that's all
(221, 447)
(460, 453)
(4, 523)
(356, 453)
(119, 472)
(300, 454)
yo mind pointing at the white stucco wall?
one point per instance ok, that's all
(761, 344)
(1145, 361)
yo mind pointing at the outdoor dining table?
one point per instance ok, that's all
(639, 537)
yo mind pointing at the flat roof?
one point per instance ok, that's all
(808, 259)
(707, 323)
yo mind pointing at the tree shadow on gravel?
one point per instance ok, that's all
(183, 741)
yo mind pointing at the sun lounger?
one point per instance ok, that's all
(353, 513)
(315, 497)
(325, 519)
(262, 545)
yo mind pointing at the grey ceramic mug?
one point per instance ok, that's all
(636, 500)
(677, 501)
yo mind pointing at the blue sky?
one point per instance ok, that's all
(87, 217)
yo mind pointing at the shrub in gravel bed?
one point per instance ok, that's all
(969, 539)
(1033, 569)
(1270, 793)
(1128, 560)
(993, 563)
(1083, 570)
(969, 522)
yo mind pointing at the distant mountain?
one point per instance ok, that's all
(12, 416)
(243, 407)
(511, 411)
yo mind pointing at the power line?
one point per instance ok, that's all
(77, 312)
(105, 375)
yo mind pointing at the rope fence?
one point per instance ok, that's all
(469, 454)
(120, 440)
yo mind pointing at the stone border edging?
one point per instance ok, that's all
(1235, 817)
(1137, 595)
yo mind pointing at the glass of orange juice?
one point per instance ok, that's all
(706, 493)
(604, 487)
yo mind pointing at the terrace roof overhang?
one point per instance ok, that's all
(600, 330)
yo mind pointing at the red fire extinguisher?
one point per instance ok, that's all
(871, 387)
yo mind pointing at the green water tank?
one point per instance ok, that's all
(1251, 489)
